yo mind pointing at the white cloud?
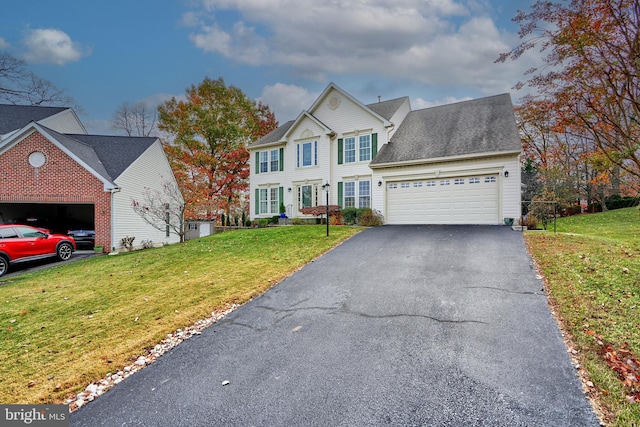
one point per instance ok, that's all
(287, 101)
(437, 42)
(4, 44)
(419, 103)
(159, 98)
(52, 46)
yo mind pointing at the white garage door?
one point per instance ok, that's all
(462, 200)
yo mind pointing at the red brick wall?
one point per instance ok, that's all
(60, 180)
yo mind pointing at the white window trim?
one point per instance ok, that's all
(269, 200)
(300, 154)
(357, 157)
(356, 193)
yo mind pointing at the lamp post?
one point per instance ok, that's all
(325, 187)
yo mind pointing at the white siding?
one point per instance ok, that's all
(345, 117)
(398, 117)
(149, 171)
(64, 122)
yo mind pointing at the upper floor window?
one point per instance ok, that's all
(364, 143)
(350, 150)
(269, 161)
(275, 161)
(264, 161)
(360, 148)
(307, 154)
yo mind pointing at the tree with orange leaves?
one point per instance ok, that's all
(590, 78)
(209, 134)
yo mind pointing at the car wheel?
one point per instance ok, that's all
(64, 251)
(4, 265)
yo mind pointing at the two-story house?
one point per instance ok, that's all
(453, 164)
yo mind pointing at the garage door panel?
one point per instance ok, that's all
(462, 201)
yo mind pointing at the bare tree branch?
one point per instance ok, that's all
(162, 209)
(18, 85)
(137, 119)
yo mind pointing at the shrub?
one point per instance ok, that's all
(335, 218)
(530, 221)
(263, 222)
(147, 244)
(297, 221)
(370, 218)
(274, 219)
(571, 210)
(247, 223)
(616, 201)
(127, 242)
(349, 216)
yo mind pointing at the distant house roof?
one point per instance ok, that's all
(387, 108)
(14, 117)
(479, 126)
(116, 153)
(275, 135)
(108, 156)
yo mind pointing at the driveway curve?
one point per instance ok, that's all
(399, 325)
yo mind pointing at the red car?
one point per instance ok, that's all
(20, 243)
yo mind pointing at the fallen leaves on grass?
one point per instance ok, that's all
(624, 363)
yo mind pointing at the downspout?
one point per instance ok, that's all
(112, 217)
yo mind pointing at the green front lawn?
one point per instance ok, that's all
(65, 327)
(593, 278)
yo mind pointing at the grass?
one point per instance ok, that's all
(592, 270)
(65, 327)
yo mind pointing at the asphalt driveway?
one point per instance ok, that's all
(400, 325)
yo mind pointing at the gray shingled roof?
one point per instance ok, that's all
(275, 135)
(116, 153)
(387, 108)
(83, 151)
(13, 117)
(485, 125)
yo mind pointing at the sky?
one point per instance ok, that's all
(281, 52)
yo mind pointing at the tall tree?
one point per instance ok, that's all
(137, 119)
(209, 134)
(18, 85)
(592, 65)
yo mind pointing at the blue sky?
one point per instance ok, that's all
(283, 52)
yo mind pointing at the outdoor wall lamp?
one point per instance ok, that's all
(289, 189)
(379, 183)
(506, 174)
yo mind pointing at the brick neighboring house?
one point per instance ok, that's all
(54, 171)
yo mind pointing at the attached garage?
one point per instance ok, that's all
(57, 217)
(450, 200)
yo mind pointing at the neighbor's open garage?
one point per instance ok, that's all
(455, 200)
(57, 217)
